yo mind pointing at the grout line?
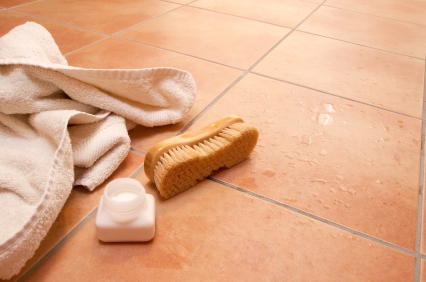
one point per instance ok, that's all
(85, 46)
(137, 172)
(212, 103)
(419, 228)
(285, 37)
(67, 237)
(315, 217)
(339, 8)
(59, 22)
(236, 68)
(358, 44)
(335, 95)
(241, 17)
(177, 52)
(138, 151)
(417, 253)
(20, 5)
(55, 248)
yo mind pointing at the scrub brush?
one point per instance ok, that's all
(178, 163)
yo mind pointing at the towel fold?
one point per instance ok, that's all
(62, 126)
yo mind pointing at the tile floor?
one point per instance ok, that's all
(334, 188)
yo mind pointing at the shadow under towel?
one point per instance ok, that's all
(62, 126)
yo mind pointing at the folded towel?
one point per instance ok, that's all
(62, 126)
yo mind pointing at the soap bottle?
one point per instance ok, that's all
(125, 212)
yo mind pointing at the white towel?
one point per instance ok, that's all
(62, 126)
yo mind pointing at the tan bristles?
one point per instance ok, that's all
(180, 168)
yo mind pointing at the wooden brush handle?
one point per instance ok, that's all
(190, 138)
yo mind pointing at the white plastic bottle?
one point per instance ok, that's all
(125, 212)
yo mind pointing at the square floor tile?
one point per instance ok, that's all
(12, 3)
(385, 34)
(104, 16)
(67, 38)
(209, 35)
(348, 162)
(77, 207)
(207, 234)
(288, 13)
(375, 77)
(211, 78)
(407, 11)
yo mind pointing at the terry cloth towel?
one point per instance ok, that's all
(62, 126)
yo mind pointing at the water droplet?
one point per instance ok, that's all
(329, 108)
(386, 128)
(352, 191)
(269, 173)
(305, 138)
(319, 180)
(323, 119)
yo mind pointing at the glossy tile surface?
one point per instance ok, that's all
(423, 278)
(407, 11)
(375, 77)
(332, 189)
(284, 13)
(209, 35)
(67, 38)
(298, 160)
(103, 16)
(13, 3)
(192, 245)
(381, 33)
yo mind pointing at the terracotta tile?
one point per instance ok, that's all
(423, 241)
(68, 38)
(385, 34)
(183, 2)
(211, 78)
(79, 204)
(12, 3)
(288, 13)
(423, 277)
(192, 245)
(408, 11)
(208, 35)
(360, 169)
(367, 75)
(104, 16)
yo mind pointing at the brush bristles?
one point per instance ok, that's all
(182, 167)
